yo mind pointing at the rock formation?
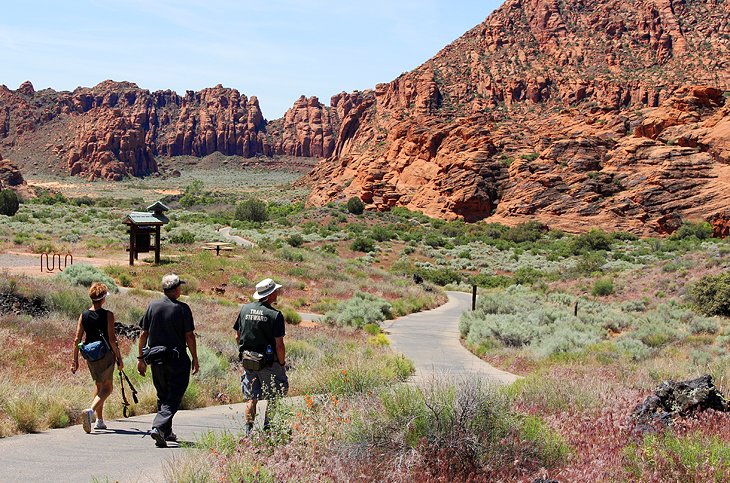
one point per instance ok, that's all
(576, 114)
(11, 178)
(678, 399)
(9, 174)
(116, 129)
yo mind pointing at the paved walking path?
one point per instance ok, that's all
(431, 340)
(126, 453)
(226, 233)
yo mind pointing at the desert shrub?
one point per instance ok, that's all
(491, 281)
(435, 240)
(290, 255)
(183, 237)
(634, 349)
(69, 302)
(291, 316)
(9, 202)
(525, 232)
(701, 230)
(362, 244)
(567, 334)
(80, 274)
(469, 424)
(711, 294)
(361, 309)
(704, 325)
(213, 365)
(296, 240)
(602, 287)
(440, 276)
(355, 206)
(252, 210)
(528, 276)
(590, 263)
(671, 457)
(594, 240)
(381, 234)
(372, 329)
(655, 332)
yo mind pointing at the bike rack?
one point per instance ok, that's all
(51, 261)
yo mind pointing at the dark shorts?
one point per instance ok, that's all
(103, 369)
(267, 383)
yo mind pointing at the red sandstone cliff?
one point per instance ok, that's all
(577, 113)
(116, 129)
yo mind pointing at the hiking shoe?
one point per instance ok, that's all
(171, 437)
(99, 424)
(87, 415)
(248, 428)
(159, 439)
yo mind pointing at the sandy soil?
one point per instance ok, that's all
(25, 263)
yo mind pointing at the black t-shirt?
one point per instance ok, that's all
(167, 322)
(95, 322)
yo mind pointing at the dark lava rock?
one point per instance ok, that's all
(13, 303)
(130, 332)
(681, 399)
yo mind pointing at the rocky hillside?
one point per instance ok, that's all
(116, 129)
(577, 113)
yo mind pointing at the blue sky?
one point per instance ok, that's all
(276, 50)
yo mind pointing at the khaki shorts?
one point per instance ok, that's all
(267, 383)
(103, 369)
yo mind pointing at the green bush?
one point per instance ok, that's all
(183, 237)
(596, 239)
(360, 310)
(252, 210)
(468, 423)
(602, 287)
(355, 206)
(291, 316)
(296, 240)
(85, 275)
(711, 294)
(362, 244)
(700, 230)
(9, 202)
(526, 232)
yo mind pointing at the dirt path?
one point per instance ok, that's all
(24, 263)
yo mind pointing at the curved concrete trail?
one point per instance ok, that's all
(226, 233)
(126, 453)
(431, 340)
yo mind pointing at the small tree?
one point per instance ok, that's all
(9, 203)
(711, 294)
(355, 205)
(252, 210)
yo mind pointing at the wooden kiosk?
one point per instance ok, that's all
(142, 226)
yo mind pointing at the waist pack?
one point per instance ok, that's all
(93, 351)
(155, 354)
(253, 361)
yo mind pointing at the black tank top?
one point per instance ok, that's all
(95, 322)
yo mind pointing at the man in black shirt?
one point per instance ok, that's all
(168, 323)
(260, 328)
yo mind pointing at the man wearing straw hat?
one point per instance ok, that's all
(260, 331)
